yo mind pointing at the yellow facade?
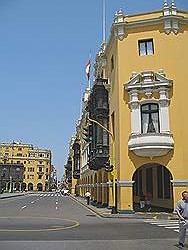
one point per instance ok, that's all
(144, 62)
(166, 63)
(36, 163)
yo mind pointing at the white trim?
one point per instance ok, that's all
(179, 183)
(125, 183)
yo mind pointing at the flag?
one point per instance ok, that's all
(88, 69)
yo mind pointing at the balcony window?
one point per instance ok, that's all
(146, 47)
(150, 118)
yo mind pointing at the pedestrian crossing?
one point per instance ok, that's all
(168, 224)
(47, 195)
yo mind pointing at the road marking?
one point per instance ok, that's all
(56, 228)
(32, 202)
(23, 207)
(174, 225)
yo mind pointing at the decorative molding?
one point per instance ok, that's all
(151, 144)
(179, 183)
(119, 25)
(125, 183)
(147, 80)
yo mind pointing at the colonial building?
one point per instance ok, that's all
(146, 71)
(36, 164)
(143, 68)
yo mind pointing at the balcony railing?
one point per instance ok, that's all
(151, 144)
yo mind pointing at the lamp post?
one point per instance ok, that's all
(1, 183)
(113, 161)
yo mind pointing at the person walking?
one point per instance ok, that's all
(88, 195)
(182, 212)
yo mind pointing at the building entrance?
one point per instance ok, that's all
(152, 189)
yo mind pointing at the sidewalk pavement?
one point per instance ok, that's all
(106, 212)
(11, 195)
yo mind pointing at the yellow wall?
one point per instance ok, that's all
(170, 54)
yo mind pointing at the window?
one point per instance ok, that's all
(40, 177)
(146, 47)
(39, 169)
(150, 118)
(31, 169)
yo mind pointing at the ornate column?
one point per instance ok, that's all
(163, 110)
(134, 105)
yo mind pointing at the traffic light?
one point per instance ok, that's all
(108, 167)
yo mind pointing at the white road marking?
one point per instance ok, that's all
(174, 225)
(23, 207)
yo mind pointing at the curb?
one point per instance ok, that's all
(154, 215)
(90, 208)
(11, 196)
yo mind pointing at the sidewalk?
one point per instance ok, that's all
(11, 195)
(106, 212)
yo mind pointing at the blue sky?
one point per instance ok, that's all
(44, 48)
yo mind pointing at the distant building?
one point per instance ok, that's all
(36, 164)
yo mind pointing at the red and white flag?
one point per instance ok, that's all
(88, 69)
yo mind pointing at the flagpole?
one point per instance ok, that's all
(89, 84)
(88, 68)
(104, 22)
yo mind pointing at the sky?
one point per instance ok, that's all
(44, 49)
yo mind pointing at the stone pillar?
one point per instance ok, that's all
(163, 110)
(134, 105)
(104, 193)
(110, 187)
(178, 187)
(125, 197)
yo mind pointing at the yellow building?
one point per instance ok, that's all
(147, 82)
(144, 62)
(36, 163)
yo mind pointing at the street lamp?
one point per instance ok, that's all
(1, 182)
(113, 161)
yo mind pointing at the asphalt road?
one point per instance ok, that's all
(52, 221)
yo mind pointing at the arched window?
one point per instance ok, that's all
(150, 118)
